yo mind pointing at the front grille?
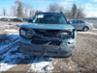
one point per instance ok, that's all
(56, 42)
(42, 36)
(39, 42)
(51, 37)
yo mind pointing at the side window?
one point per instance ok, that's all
(62, 20)
(81, 21)
(75, 21)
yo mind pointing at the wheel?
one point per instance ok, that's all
(85, 28)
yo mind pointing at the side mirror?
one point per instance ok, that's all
(30, 20)
(68, 22)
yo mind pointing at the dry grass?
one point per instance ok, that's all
(85, 54)
(84, 59)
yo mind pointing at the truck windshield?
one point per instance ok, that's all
(50, 19)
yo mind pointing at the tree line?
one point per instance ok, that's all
(73, 13)
(21, 10)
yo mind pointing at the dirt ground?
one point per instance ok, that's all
(83, 60)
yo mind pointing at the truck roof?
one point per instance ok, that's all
(49, 13)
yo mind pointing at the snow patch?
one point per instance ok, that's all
(11, 31)
(6, 59)
(41, 64)
(5, 66)
(12, 57)
(10, 41)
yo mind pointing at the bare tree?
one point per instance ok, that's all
(74, 12)
(55, 8)
(77, 12)
(67, 13)
(31, 13)
(4, 12)
(80, 13)
(19, 9)
(13, 11)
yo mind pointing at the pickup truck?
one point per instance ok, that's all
(48, 34)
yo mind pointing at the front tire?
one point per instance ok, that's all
(85, 28)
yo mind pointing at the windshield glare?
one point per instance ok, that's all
(49, 19)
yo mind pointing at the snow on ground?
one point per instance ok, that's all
(10, 57)
(5, 58)
(41, 64)
(11, 31)
(8, 42)
(5, 67)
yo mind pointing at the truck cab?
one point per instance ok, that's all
(49, 34)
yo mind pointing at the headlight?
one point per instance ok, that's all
(22, 32)
(64, 35)
(26, 33)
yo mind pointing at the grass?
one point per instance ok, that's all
(84, 59)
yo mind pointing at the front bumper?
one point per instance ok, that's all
(64, 50)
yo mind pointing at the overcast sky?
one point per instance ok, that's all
(89, 6)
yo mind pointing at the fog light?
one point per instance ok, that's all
(70, 41)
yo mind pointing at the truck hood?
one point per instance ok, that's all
(47, 26)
